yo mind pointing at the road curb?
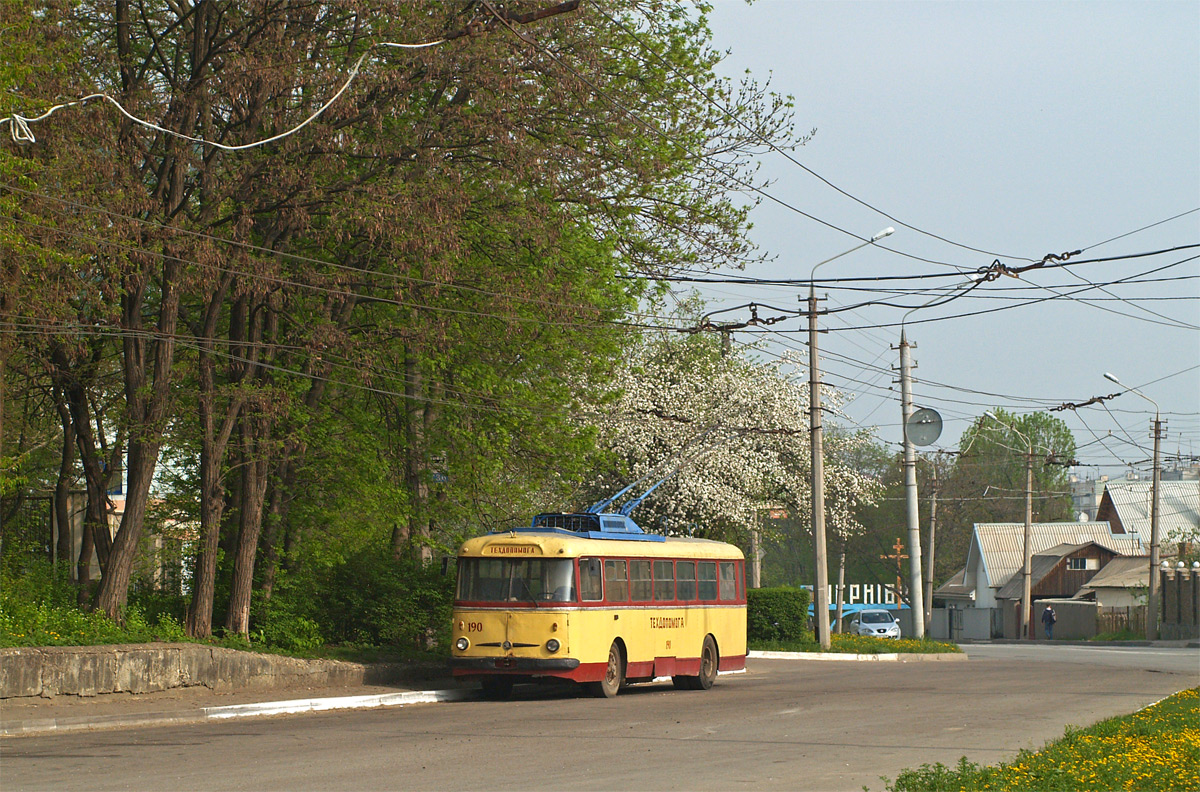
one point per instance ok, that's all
(335, 703)
(890, 657)
(229, 711)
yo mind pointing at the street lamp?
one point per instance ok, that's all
(1152, 600)
(821, 573)
(1025, 553)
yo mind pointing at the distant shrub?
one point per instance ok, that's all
(777, 614)
(375, 599)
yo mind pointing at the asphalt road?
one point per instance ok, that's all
(785, 724)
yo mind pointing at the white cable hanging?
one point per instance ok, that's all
(21, 133)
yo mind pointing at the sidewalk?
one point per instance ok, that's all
(32, 715)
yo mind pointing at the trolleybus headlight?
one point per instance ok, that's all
(461, 644)
(552, 645)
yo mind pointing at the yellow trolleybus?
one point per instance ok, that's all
(592, 598)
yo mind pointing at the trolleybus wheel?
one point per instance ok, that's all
(709, 660)
(614, 674)
(497, 687)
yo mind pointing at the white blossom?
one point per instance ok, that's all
(739, 427)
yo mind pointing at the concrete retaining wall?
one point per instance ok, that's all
(144, 668)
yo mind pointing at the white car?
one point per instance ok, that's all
(878, 623)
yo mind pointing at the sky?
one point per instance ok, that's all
(1016, 128)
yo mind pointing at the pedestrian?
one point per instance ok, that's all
(1048, 619)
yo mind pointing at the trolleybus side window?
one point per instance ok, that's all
(590, 585)
(616, 580)
(708, 581)
(639, 580)
(728, 581)
(686, 576)
(664, 580)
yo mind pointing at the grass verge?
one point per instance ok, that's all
(1157, 748)
(859, 644)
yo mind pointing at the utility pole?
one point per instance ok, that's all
(1152, 598)
(821, 559)
(929, 561)
(820, 552)
(910, 492)
(1026, 566)
(1152, 603)
(1027, 551)
(755, 553)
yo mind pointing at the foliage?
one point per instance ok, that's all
(37, 608)
(370, 598)
(1119, 635)
(732, 430)
(859, 644)
(992, 460)
(1157, 748)
(776, 614)
(380, 329)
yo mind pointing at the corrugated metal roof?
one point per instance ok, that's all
(1178, 508)
(1122, 572)
(1002, 544)
(954, 587)
(1040, 565)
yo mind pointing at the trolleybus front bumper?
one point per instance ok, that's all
(526, 665)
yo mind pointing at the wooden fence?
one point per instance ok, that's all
(1131, 618)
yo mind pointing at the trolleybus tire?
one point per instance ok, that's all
(497, 687)
(709, 660)
(614, 674)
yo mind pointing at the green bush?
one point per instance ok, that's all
(777, 614)
(374, 599)
(278, 623)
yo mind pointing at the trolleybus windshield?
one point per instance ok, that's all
(513, 580)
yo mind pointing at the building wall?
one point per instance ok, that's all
(1120, 597)
(1180, 600)
(1076, 619)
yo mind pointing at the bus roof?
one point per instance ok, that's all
(558, 544)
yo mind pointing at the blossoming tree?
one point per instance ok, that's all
(731, 432)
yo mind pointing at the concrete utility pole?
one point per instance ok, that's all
(817, 482)
(817, 467)
(1152, 598)
(910, 493)
(1023, 620)
(929, 561)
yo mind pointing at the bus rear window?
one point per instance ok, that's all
(510, 580)
(728, 580)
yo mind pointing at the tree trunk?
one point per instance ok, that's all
(146, 403)
(213, 444)
(64, 547)
(255, 430)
